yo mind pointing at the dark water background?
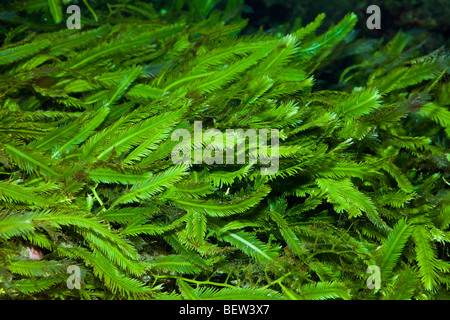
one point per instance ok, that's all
(417, 16)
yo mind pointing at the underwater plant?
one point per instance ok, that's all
(87, 178)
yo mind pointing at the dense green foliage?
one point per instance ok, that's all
(86, 175)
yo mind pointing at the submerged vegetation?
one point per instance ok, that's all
(87, 179)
